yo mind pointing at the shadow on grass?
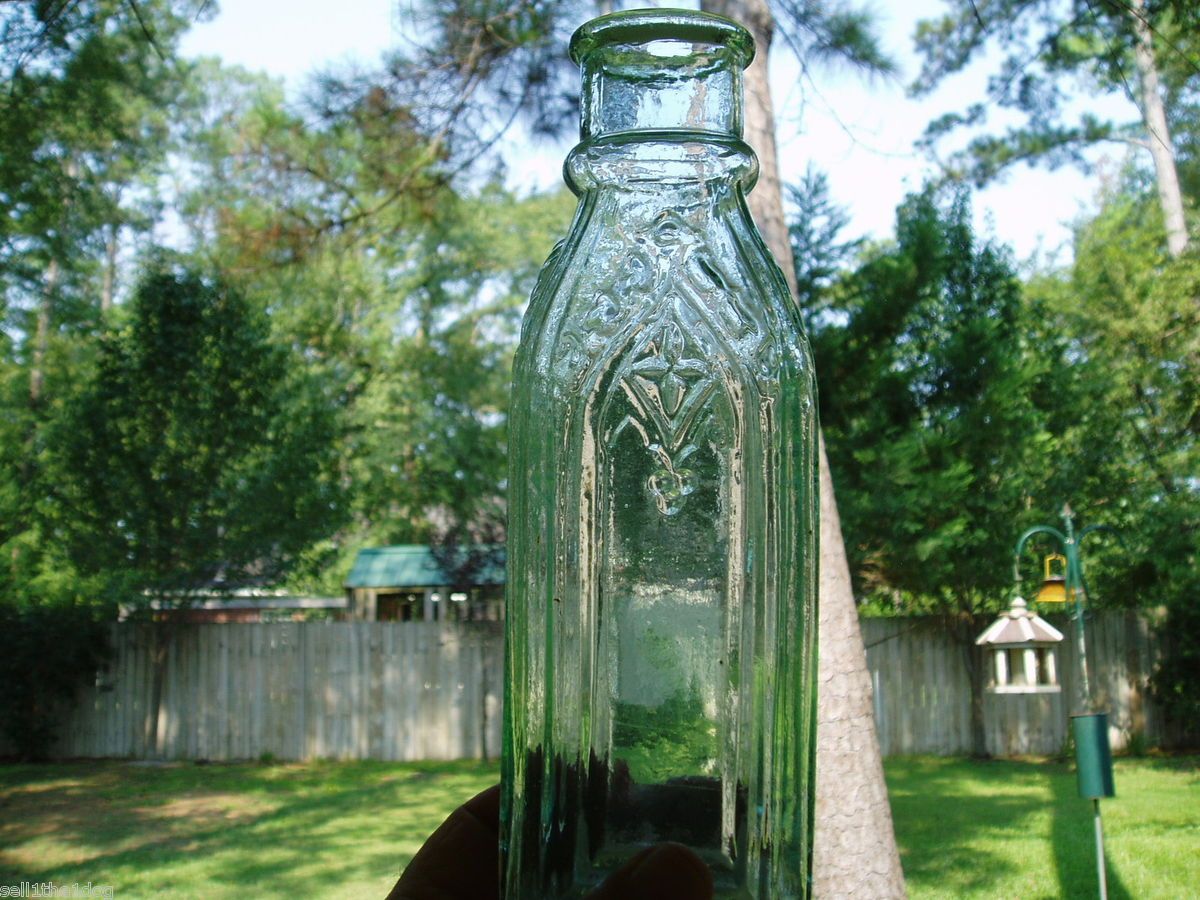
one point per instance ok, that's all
(282, 830)
(949, 811)
(1072, 836)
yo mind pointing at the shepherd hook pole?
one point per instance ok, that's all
(1100, 850)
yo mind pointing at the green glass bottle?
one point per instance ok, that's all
(660, 656)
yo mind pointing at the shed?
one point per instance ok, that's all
(246, 606)
(239, 605)
(409, 582)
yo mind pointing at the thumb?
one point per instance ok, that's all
(661, 872)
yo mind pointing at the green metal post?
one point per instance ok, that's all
(1100, 867)
(1093, 759)
(1074, 586)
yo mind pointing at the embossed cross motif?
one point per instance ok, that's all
(670, 370)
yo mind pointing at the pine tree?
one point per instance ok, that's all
(1121, 46)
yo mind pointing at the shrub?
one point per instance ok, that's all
(48, 651)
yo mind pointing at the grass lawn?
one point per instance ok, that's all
(966, 829)
(1020, 830)
(336, 830)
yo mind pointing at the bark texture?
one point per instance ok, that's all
(1154, 116)
(855, 851)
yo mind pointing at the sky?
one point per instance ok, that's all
(860, 133)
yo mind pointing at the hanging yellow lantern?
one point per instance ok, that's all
(1054, 583)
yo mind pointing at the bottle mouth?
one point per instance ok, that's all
(656, 69)
(658, 29)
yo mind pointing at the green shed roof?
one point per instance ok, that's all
(411, 566)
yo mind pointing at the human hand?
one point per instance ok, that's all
(460, 861)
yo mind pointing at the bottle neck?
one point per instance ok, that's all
(661, 70)
(662, 108)
(662, 103)
(662, 167)
(628, 88)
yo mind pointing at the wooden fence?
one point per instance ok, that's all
(346, 690)
(922, 693)
(431, 690)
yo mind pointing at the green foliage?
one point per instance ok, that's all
(818, 251)
(402, 292)
(85, 128)
(928, 410)
(1052, 52)
(1134, 314)
(1178, 674)
(346, 216)
(1128, 322)
(961, 406)
(464, 294)
(837, 33)
(53, 636)
(342, 377)
(47, 651)
(486, 63)
(198, 453)
(85, 125)
(665, 741)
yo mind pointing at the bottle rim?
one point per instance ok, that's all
(645, 25)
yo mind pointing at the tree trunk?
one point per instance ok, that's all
(855, 848)
(164, 636)
(41, 334)
(965, 632)
(1155, 118)
(855, 854)
(107, 287)
(45, 311)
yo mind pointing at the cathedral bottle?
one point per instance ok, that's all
(661, 598)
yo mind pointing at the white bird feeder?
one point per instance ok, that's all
(1024, 651)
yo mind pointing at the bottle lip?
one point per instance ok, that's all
(644, 25)
(673, 148)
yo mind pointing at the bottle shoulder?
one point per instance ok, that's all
(690, 278)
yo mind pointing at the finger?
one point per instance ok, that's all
(461, 859)
(661, 872)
